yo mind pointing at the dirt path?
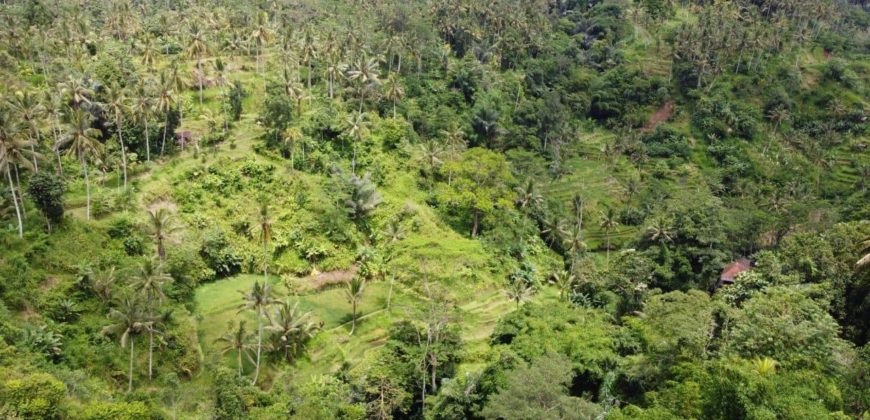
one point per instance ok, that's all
(661, 115)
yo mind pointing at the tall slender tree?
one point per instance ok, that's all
(259, 300)
(128, 320)
(118, 106)
(82, 140)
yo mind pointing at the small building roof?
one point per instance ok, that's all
(730, 272)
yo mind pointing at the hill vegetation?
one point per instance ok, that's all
(440, 209)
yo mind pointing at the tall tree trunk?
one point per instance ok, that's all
(150, 354)
(309, 82)
(130, 380)
(239, 361)
(20, 193)
(200, 76)
(123, 151)
(475, 222)
(87, 188)
(353, 317)
(161, 249)
(15, 200)
(165, 128)
(147, 141)
(259, 347)
(33, 149)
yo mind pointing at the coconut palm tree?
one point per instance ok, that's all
(564, 280)
(366, 75)
(236, 339)
(660, 230)
(356, 129)
(865, 249)
(263, 231)
(609, 222)
(258, 300)
(76, 91)
(102, 282)
(30, 111)
(292, 328)
(518, 291)
(148, 52)
(82, 141)
(164, 103)
(150, 280)
(294, 91)
(261, 35)
(128, 320)
(117, 105)
(528, 196)
(161, 225)
(196, 49)
(143, 106)
(394, 91)
(354, 289)
(308, 53)
(14, 152)
(292, 136)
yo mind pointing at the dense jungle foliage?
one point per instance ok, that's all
(434, 209)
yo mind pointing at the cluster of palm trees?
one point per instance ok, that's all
(288, 326)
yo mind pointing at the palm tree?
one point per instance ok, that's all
(13, 152)
(196, 48)
(102, 282)
(609, 222)
(308, 54)
(83, 143)
(292, 135)
(143, 106)
(574, 241)
(148, 52)
(354, 289)
(365, 74)
(236, 339)
(164, 104)
(29, 111)
(150, 280)
(76, 91)
(660, 230)
(258, 301)
(357, 127)
(564, 281)
(118, 107)
(519, 291)
(294, 91)
(528, 196)
(261, 36)
(363, 197)
(128, 320)
(161, 225)
(292, 328)
(263, 231)
(394, 91)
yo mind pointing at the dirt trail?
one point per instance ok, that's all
(661, 115)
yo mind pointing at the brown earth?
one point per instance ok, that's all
(661, 115)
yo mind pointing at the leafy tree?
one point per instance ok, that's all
(787, 326)
(46, 190)
(480, 183)
(540, 391)
(13, 153)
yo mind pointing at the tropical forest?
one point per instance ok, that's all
(435, 209)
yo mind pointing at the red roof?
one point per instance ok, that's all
(732, 270)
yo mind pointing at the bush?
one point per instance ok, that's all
(219, 255)
(36, 396)
(115, 411)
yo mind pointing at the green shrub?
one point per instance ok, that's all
(35, 396)
(135, 410)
